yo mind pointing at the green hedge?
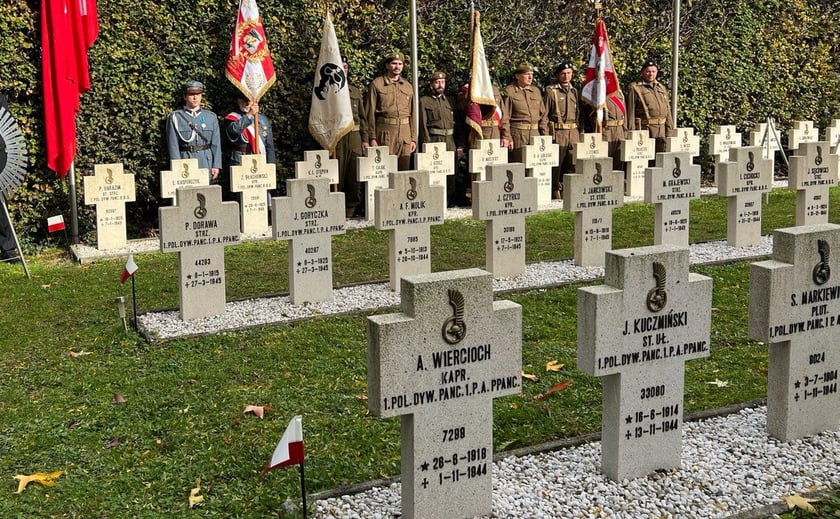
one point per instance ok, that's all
(740, 62)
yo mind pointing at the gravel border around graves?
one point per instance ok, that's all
(730, 469)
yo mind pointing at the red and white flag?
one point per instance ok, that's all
(601, 83)
(331, 113)
(55, 223)
(290, 449)
(129, 270)
(480, 100)
(249, 65)
(68, 30)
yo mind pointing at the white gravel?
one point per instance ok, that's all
(729, 466)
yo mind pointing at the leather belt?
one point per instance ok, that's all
(193, 149)
(392, 120)
(490, 124)
(242, 149)
(564, 126)
(441, 133)
(653, 120)
(525, 126)
(614, 122)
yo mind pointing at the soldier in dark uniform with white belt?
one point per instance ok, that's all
(649, 107)
(239, 131)
(439, 124)
(349, 149)
(525, 114)
(561, 102)
(193, 132)
(390, 111)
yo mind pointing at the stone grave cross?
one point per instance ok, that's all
(182, 173)
(109, 189)
(489, 152)
(762, 135)
(801, 133)
(438, 162)
(813, 170)
(833, 136)
(374, 168)
(636, 331)
(591, 146)
(592, 194)
(721, 141)
(438, 365)
(504, 200)
(637, 150)
(408, 209)
(795, 308)
(670, 186)
(743, 180)
(252, 179)
(308, 217)
(541, 156)
(198, 228)
(317, 164)
(683, 140)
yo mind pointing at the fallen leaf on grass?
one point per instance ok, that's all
(113, 442)
(553, 365)
(194, 497)
(797, 501)
(362, 397)
(532, 378)
(257, 410)
(560, 386)
(119, 399)
(79, 353)
(719, 383)
(42, 478)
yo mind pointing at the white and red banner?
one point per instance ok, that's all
(129, 270)
(249, 65)
(290, 449)
(68, 30)
(55, 223)
(601, 82)
(480, 99)
(330, 114)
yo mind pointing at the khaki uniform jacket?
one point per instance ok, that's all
(524, 115)
(437, 120)
(648, 107)
(390, 115)
(563, 114)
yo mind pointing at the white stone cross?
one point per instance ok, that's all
(504, 200)
(488, 153)
(762, 135)
(802, 132)
(671, 186)
(636, 331)
(540, 156)
(592, 193)
(813, 170)
(317, 164)
(795, 308)
(438, 162)
(438, 365)
(308, 217)
(182, 173)
(683, 140)
(721, 141)
(198, 228)
(407, 209)
(833, 135)
(743, 180)
(591, 146)
(637, 150)
(252, 179)
(109, 189)
(374, 168)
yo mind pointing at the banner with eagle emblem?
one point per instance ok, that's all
(249, 64)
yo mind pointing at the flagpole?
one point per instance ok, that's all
(599, 112)
(74, 209)
(303, 490)
(675, 65)
(134, 302)
(414, 69)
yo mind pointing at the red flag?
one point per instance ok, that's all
(55, 223)
(290, 449)
(249, 65)
(601, 82)
(129, 270)
(68, 29)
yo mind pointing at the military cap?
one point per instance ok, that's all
(193, 87)
(394, 56)
(563, 66)
(437, 74)
(523, 67)
(649, 63)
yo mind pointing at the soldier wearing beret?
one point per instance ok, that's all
(390, 111)
(349, 148)
(525, 112)
(561, 101)
(193, 132)
(239, 131)
(649, 107)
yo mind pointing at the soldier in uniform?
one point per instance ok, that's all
(239, 131)
(349, 148)
(390, 111)
(561, 102)
(438, 124)
(525, 112)
(193, 133)
(648, 106)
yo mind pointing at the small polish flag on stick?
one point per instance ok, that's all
(55, 223)
(290, 449)
(129, 270)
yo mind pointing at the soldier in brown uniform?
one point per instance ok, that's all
(524, 112)
(561, 102)
(349, 148)
(648, 106)
(438, 124)
(390, 114)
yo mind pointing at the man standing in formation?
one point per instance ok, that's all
(193, 133)
(648, 106)
(239, 131)
(349, 149)
(438, 124)
(390, 113)
(561, 101)
(524, 112)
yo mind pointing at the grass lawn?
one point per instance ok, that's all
(182, 421)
